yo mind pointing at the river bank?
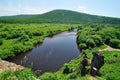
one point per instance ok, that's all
(5, 65)
(51, 52)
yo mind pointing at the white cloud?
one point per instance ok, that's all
(84, 9)
(32, 10)
(21, 10)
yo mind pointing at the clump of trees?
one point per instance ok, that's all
(90, 36)
(115, 43)
(66, 69)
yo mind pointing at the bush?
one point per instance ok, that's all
(13, 35)
(107, 40)
(26, 74)
(115, 43)
(66, 69)
(24, 38)
(97, 39)
(3, 35)
(37, 33)
(90, 43)
(47, 76)
(1, 41)
(82, 46)
(18, 48)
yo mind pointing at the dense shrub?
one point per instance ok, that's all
(38, 33)
(107, 40)
(97, 39)
(115, 43)
(50, 33)
(48, 76)
(117, 34)
(90, 43)
(82, 46)
(24, 38)
(1, 41)
(25, 74)
(3, 35)
(18, 48)
(13, 35)
(7, 53)
(66, 69)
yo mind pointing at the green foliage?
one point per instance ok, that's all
(82, 46)
(97, 40)
(24, 38)
(1, 41)
(97, 35)
(66, 69)
(110, 70)
(18, 38)
(18, 48)
(48, 76)
(37, 33)
(13, 35)
(115, 43)
(90, 43)
(26, 74)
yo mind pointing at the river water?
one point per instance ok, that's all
(51, 54)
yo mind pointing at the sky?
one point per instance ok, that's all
(109, 8)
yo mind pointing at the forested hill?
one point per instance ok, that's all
(60, 16)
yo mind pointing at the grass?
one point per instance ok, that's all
(26, 74)
(111, 69)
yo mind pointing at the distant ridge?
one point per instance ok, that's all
(60, 16)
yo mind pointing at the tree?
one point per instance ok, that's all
(90, 43)
(24, 38)
(115, 43)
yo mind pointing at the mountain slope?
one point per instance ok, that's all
(60, 16)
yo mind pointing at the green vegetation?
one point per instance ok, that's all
(26, 74)
(115, 43)
(60, 16)
(110, 70)
(1, 41)
(18, 38)
(89, 35)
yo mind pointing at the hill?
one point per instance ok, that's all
(60, 16)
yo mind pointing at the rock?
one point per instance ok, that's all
(84, 63)
(96, 63)
(5, 65)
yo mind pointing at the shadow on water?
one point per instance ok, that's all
(51, 54)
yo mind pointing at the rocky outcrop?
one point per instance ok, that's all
(84, 63)
(5, 65)
(96, 63)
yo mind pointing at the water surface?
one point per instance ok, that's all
(51, 54)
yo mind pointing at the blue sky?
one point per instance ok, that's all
(97, 7)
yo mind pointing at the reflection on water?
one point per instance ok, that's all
(51, 54)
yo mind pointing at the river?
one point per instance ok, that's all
(51, 54)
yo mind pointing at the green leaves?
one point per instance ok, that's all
(1, 41)
(115, 43)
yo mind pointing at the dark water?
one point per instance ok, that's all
(51, 54)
